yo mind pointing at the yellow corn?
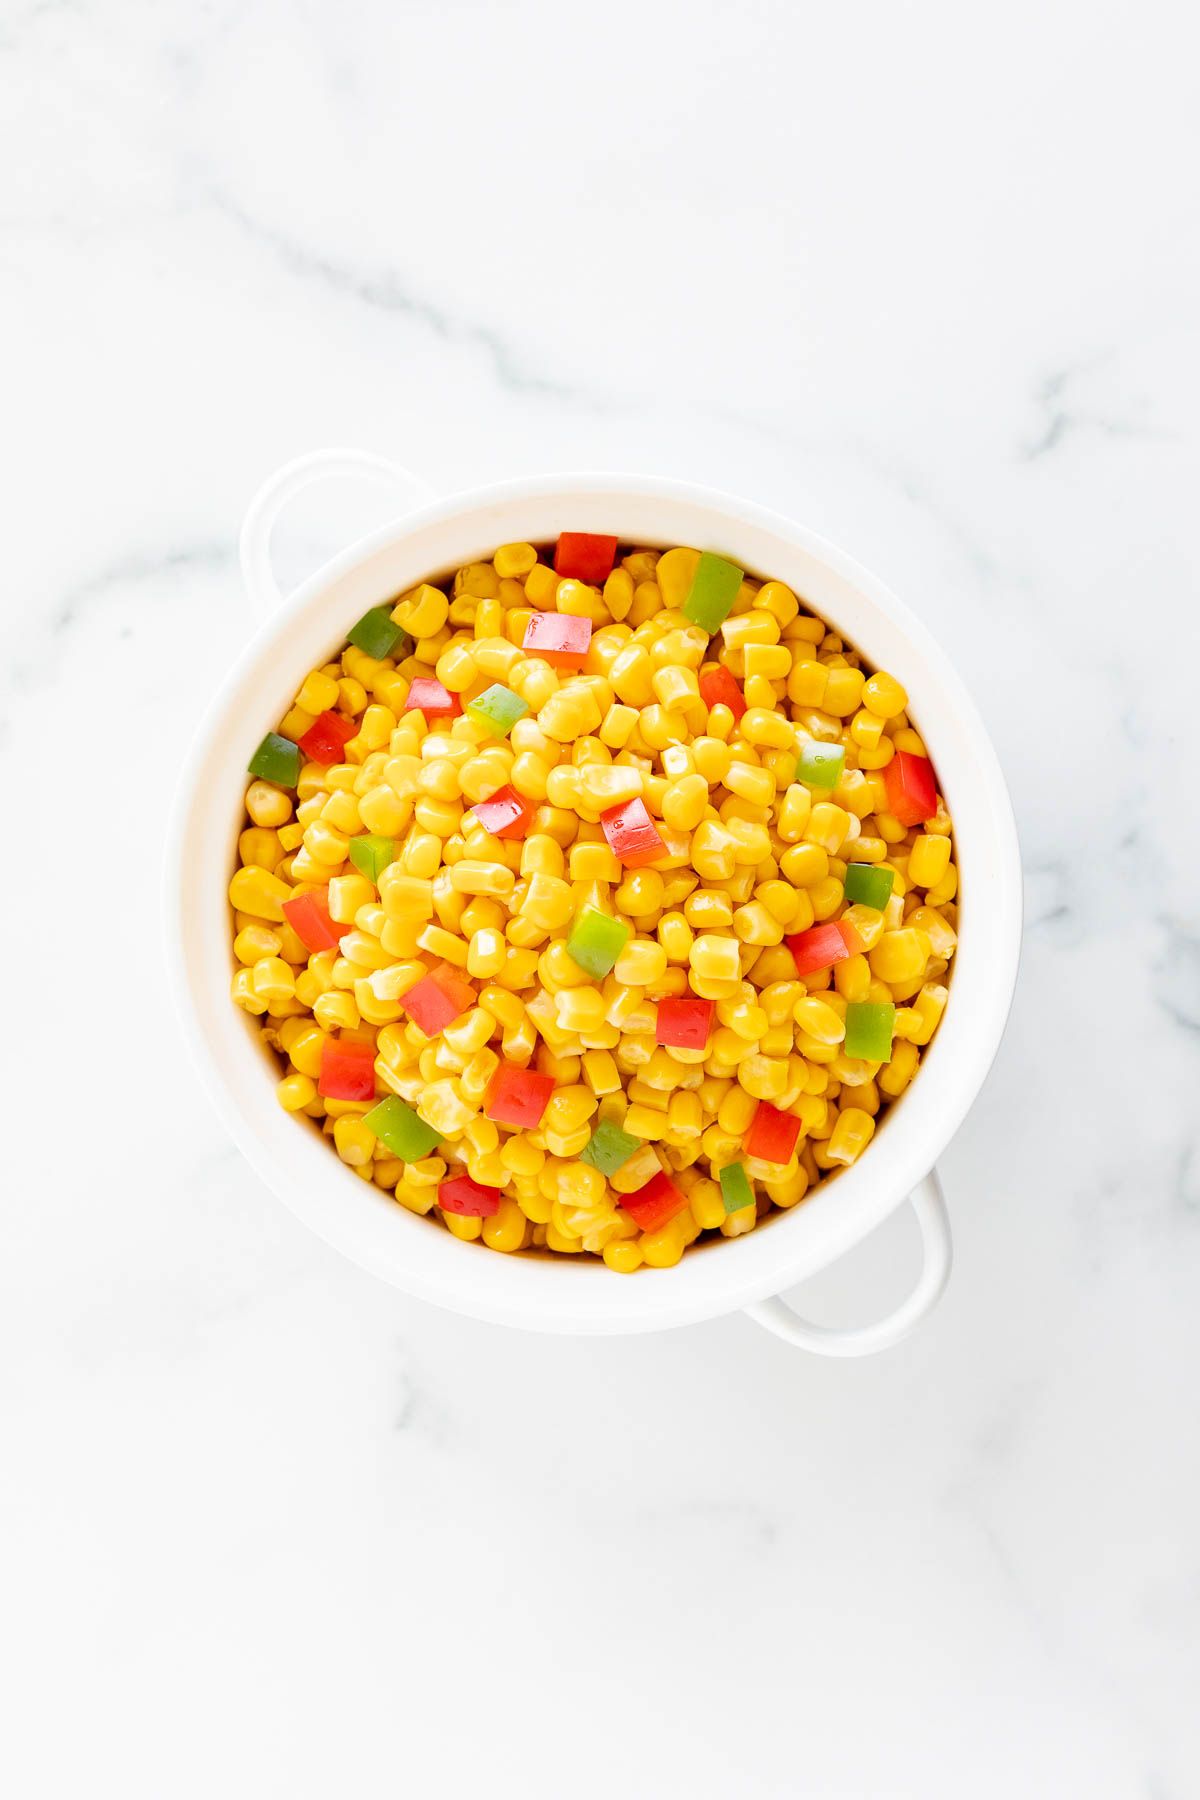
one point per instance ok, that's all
(715, 958)
(257, 891)
(827, 827)
(928, 861)
(900, 956)
(570, 713)
(750, 854)
(750, 783)
(883, 696)
(820, 1020)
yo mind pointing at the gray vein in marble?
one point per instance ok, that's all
(1061, 418)
(133, 570)
(417, 1413)
(1177, 975)
(1186, 1189)
(917, 492)
(1045, 900)
(989, 1453)
(382, 290)
(17, 24)
(891, 470)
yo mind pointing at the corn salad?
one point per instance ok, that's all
(595, 902)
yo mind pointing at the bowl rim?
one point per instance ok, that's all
(715, 1278)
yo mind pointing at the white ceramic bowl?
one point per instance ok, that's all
(556, 1293)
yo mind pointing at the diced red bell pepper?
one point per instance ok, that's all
(823, 945)
(718, 688)
(772, 1134)
(308, 916)
(347, 1070)
(327, 737)
(467, 1198)
(911, 787)
(655, 1203)
(560, 639)
(430, 697)
(583, 556)
(518, 1096)
(438, 999)
(632, 834)
(684, 1024)
(506, 814)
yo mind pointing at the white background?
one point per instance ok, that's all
(922, 276)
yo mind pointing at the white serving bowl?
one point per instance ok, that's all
(546, 1293)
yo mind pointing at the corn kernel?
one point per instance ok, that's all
(715, 958)
(259, 892)
(928, 861)
(883, 696)
(900, 956)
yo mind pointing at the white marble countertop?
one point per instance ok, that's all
(927, 283)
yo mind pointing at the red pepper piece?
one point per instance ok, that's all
(911, 787)
(558, 638)
(655, 1203)
(582, 556)
(430, 697)
(632, 834)
(718, 688)
(772, 1134)
(468, 1199)
(347, 1070)
(506, 814)
(684, 1024)
(438, 999)
(327, 737)
(823, 945)
(308, 916)
(518, 1096)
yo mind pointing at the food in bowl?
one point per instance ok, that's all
(595, 900)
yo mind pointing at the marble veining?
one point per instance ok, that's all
(384, 290)
(924, 280)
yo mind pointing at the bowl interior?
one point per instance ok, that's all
(559, 1293)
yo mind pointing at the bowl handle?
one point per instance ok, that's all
(863, 1340)
(282, 487)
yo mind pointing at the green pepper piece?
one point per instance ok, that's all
(610, 1148)
(821, 765)
(371, 854)
(400, 1129)
(735, 1187)
(498, 708)
(377, 634)
(596, 940)
(869, 1028)
(868, 885)
(277, 759)
(712, 593)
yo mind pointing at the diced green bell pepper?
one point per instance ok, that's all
(498, 708)
(610, 1148)
(371, 854)
(735, 1187)
(596, 940)
(377, 633)
(869, 1028)
(277, 759)
(712, 593)
(868, 885)
(400, 1130)
(821, 765)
